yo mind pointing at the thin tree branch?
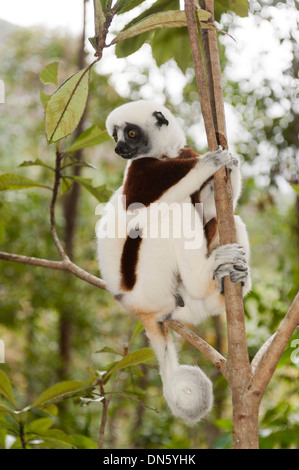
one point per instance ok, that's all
(200, 75)
(45, 263)
(214, 356)
(59, 247)
(261, 352)
(209, 39)
(65, 265)
(106, 402)
(267, 365)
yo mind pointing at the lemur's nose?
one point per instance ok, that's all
(123, 149)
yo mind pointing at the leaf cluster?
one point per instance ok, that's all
(33, 426)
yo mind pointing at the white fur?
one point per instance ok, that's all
(161, 260)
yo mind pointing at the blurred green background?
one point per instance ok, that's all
(53, 324)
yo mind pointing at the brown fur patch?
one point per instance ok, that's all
(211, 230)
(129, 260)
(221, 139)
(187, 152)
(149, 178)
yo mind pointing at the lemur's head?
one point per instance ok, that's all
(145, 129)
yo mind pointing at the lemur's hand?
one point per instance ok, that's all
(218, 158)
(233, 163)
(221, 157)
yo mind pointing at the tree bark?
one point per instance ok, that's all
(239, 370)
(70, 203)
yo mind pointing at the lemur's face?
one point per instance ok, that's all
(145, 129)
(131, 141)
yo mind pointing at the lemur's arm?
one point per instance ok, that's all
(201, 171)
(206, 195)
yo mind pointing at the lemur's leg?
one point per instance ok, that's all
(187, 389)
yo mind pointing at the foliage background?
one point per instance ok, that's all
(54, 324)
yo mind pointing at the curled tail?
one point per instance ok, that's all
(187, 389)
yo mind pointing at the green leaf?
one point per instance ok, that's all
(178, 45)
(102, 3)
(36, 162)
(3, 433)
(59, 392)
(6, 409)
(128, 47)
(162, 20)
(65, 185)
(83, 442)
(296, 188)
(134, 358)
(49, 73)
(94, 42)
(225, 441)
(92, 136)
(101, 193)
(11, 181)
(51, 410)
(57, 439)
(66, 106)
(39, 426)
(224, 424)
(126, 5)
(6, 388)
(240, 8)
(44, 98)
(138, 328)
(107, 349)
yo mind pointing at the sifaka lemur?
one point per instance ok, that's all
(158, 246)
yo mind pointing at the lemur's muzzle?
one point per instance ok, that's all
(124, 150)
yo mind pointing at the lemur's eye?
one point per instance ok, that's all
(115, 138)
(132, 134)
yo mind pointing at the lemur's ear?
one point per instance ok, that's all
(161, 119)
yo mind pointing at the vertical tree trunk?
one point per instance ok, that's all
(245, 415)
(70, 208)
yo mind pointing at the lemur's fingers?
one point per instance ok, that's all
(239, 277)
(237, 272)
(218, 158)
(230, 260)
(233, 162)
(229, 254)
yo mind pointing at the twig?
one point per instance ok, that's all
(59, 158)
(210, 46)
(200, 75)
(214, 356)
(106, 402)
(267, 365)
(65, 265)
(261, 352)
